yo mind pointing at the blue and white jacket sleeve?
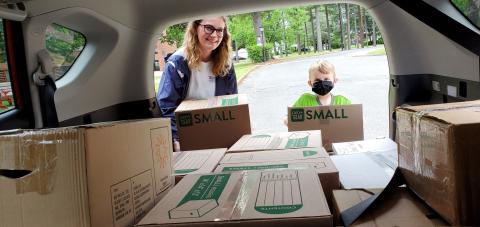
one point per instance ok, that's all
(170, 91)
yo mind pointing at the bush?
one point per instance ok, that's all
(255, 52)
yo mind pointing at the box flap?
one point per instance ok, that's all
(454, 113)
(197, 161)
(276, 141)
(217, 101)
(275, 155)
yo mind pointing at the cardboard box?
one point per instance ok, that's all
(338, 123)
(399, 208)
(217, 122)
(196, 162)
(362, 170)
(277, 141)
(316, 158)
(384, 150)
(439, 157)
(267, 198)
(107, 174)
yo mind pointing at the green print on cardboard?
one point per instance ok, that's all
(307, 153)
(297, 140)
(229, 101)
(259, 167)
(297, 115)
(185, 119)
(279, 193)
(202, 197)
(184, 171)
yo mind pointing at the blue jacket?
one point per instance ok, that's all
(173, 86)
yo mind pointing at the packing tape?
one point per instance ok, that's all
(37, 153)
(238, 198)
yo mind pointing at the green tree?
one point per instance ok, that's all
(174, 34)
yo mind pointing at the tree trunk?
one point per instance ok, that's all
(319, 29)
(284, 34)
(257, 24)
(361, 31)
(299, 45)
(374, 32)
(328, 29)
(367, 32)
(305, 39)
(313, 30)
(355, 28)
(347, 29)
(340, 25)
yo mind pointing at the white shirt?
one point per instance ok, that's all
(202, 82)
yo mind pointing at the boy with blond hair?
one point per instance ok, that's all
(322, 79)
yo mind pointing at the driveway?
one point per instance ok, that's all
(363, 79)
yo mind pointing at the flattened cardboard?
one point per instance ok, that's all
(341, 123)
(383, 150)
(196, 162)
(278, 141)
(399, 209)
(233, 199)
(107, 174)
(217, 122)
(371, 145)
(438, 156)
(362, 170)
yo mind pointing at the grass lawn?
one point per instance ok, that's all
(377, 52)
(242, 68)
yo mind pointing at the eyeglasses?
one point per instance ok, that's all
(209, 29)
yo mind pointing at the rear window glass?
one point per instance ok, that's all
(6, 94)
(64, 46)
(470, 9)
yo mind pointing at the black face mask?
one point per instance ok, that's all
(322, 87)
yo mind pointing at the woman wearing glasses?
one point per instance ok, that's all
(200, 69)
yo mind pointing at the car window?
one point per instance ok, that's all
(6, 94)
(64, 46)
(470, 9)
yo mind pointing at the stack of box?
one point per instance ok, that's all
(338, 123)
(196, 162)
(280, 198)
(108, 174)
(217, 122)
(439, 157)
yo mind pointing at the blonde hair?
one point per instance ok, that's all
(220, 56)
(321, 66)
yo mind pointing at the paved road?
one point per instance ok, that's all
(363, 79)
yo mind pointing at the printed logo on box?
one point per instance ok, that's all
(297, 115)
(185, 119)
(326, 114)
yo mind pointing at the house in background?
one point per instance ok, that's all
(161, 51)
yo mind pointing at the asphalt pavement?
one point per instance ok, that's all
(361, 78)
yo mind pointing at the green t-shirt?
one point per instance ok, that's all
(308, 99)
